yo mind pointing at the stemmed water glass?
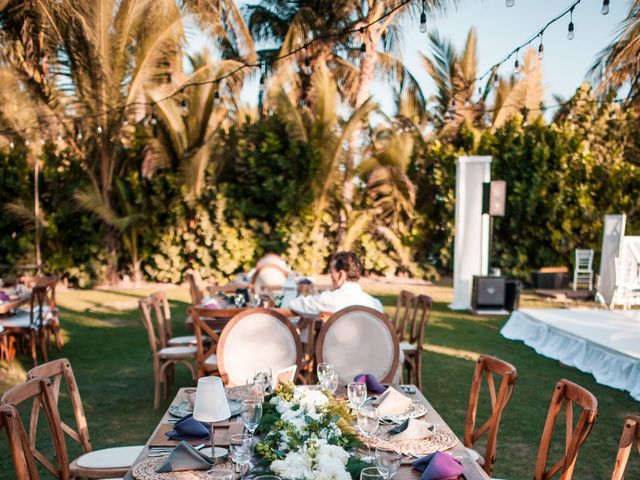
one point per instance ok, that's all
(330, 381)
(251, 415)
(357, 394)
(374, 473)
(368, 422)
(388, 460)
(322, 370)
(240, 448)
(219, 474)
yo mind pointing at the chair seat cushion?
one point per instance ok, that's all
(117, 457)
(211, 361)
(20, 320)
(407, 347)
(177, 352)
(183, 340)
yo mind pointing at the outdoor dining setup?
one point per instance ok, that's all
(279, 393)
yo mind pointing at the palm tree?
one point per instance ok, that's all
(90, 58)
(619, 63)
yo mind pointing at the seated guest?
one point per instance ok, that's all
(345, 269)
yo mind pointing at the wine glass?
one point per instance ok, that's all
(251, 415)
(330, 381)
(262, 378)
(374, 473)
(240, 449)
(322, 369)
(219, 474)
(357, 394)
(389, 460)
(368, 422)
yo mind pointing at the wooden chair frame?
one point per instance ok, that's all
(162, 367)
(24, 463)
(486, 368)
(221, 343)
(422, 305)
(404, 306)
(566, 393)
(389, 377)
(201, 331)
(40, 391)
(630, 435)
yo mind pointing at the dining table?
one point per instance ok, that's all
(217, 318)
(7, 307)
(472, 470)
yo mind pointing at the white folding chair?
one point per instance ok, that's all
(359, 340)
(255, 339)
(583, 271)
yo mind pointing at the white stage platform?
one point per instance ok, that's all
(601, 342)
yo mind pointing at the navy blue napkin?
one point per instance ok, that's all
(188, 428)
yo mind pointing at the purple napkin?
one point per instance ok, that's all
(438, 466)
(188, 428)
(373, 385)
(4, 297)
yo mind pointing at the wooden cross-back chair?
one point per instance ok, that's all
(195, 282)
(41, 321)
(404, 307)
(24, 463)
(164, 357)
(358, 340)
(413, 344)
(566, 394)
(630, 436)
(39, 392)
(103, 463)
(206, 340)
(257, 338)
(486, 368)
(162, 314)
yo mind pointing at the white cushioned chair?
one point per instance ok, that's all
(359, 340)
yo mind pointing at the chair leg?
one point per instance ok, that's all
(33, 341)
(156, 389)
(419, 370)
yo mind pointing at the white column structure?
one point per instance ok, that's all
(471, 242)
(614, 226)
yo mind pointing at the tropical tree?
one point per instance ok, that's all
(91, 59)
(618, 64)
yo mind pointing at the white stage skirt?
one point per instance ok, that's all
(601, 342)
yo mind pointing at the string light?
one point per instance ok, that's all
(605, 7)
(79, 135)
(516, 65)
(510, 3)
(184, 107)
(541, 47)
(154, 120)
(99, 130)
(26, 142)
(496, 80)
(59, 138)
(570, 31)
(11, 145)
(306, 67)
(423, 18)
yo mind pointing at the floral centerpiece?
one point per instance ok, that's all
(307, 434)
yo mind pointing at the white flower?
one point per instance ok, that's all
(332, 453)
(331, 469)
(293, 467)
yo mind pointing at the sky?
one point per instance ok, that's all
(500, 29)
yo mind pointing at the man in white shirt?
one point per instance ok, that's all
(345, 269)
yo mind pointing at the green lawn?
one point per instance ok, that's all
(108, 349)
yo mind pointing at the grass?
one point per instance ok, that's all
(109, 352)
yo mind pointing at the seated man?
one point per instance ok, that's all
(345, 269)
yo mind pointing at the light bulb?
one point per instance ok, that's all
(571, 33)
(11, 145)
(125, 123)
(43, 141)
(516, 67)
(99, 129)
(79, 136)
(496, 81)
(26, 143)
(510, 3)
(59, 137)
(363, 47)
(423, 22)
(605, 7)
(184, 108)
(540, 51)
(306, 68)
(154, 120)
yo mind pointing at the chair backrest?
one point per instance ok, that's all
(43, 301)
(566, 394)
(57, 372)
(195, 282)
(155, 313)
(420, 319)
(359, 340)
(201, 331)
(584, 259)
(630, 436)
(40, 392)
(272, 259)
(24, 464)
(257, 338)
(404, 306)
(269, 275)
(486, 368)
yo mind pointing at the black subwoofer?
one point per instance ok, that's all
(488, 293)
